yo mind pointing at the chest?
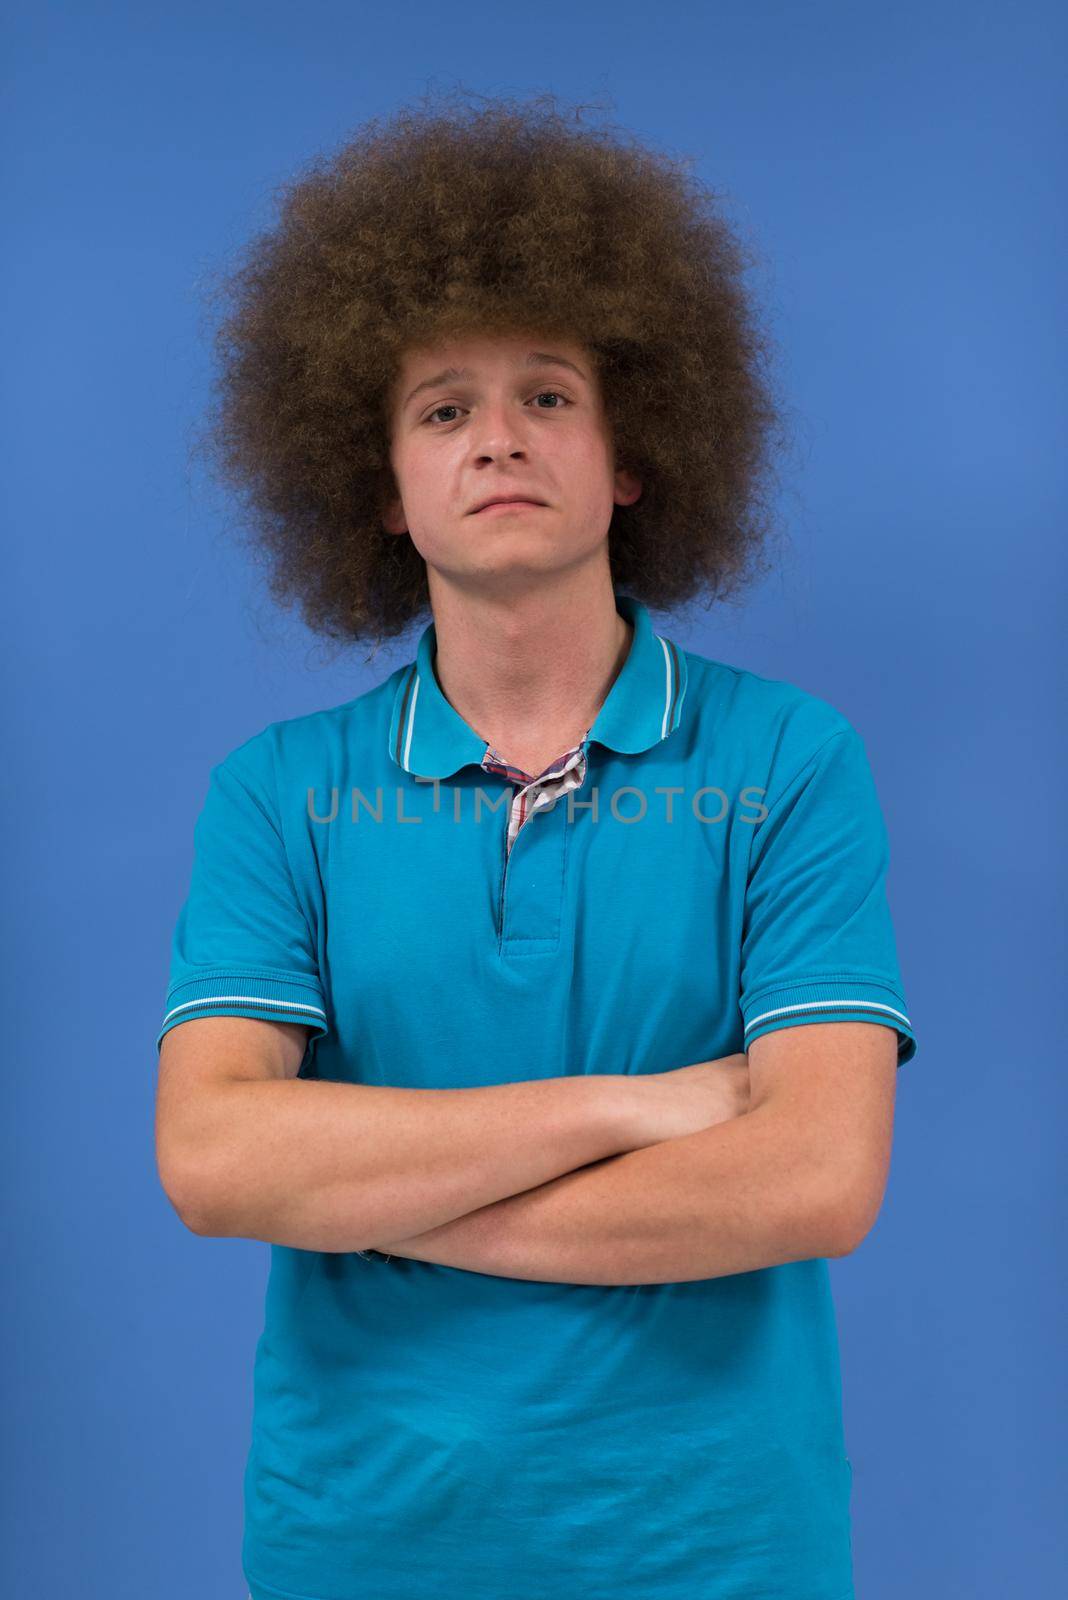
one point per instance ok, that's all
(603, 936)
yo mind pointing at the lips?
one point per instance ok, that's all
(509, 500)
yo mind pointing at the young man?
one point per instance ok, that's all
(540, 1006)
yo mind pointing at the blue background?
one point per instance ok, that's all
(898, 168)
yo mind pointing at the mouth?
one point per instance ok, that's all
(506, 505)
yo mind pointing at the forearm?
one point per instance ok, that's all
(319, 1165)
(735, 1197)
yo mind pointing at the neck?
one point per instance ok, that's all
(529, 673)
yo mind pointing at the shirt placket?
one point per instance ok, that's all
(536, 793)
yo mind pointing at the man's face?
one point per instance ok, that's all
(518, 416)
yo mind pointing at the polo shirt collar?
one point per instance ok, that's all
(430, 739)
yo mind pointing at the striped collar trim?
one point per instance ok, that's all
(429, 738)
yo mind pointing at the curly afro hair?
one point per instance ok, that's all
(499, 218)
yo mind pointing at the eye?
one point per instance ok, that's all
(555, 393)
(436, 409)
(556, 396)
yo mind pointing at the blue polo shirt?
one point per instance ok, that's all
(718, 872)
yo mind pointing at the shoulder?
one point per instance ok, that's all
(317, 742)
(777, 725)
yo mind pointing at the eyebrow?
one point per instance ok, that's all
(536, 358)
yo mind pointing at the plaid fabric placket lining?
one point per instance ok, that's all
(535, 794)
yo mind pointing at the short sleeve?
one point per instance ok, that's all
(242, 945)
(817, 940)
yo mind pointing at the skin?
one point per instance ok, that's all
(529, 640)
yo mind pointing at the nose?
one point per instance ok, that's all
(496, 434)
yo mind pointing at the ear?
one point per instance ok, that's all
(628, 488)
(393, 518)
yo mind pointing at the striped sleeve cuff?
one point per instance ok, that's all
(248, 992)
(845, 997)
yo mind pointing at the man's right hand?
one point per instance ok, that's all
(687, 1099)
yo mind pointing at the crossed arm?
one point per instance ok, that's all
(802, 1173)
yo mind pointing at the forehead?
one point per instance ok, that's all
(478, 354)
(490, 345)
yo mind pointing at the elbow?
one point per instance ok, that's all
(196, 1174)
(188, 1200)
(190, 1215)
(841, 1241)
(852, 1217)
(202, 1223)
